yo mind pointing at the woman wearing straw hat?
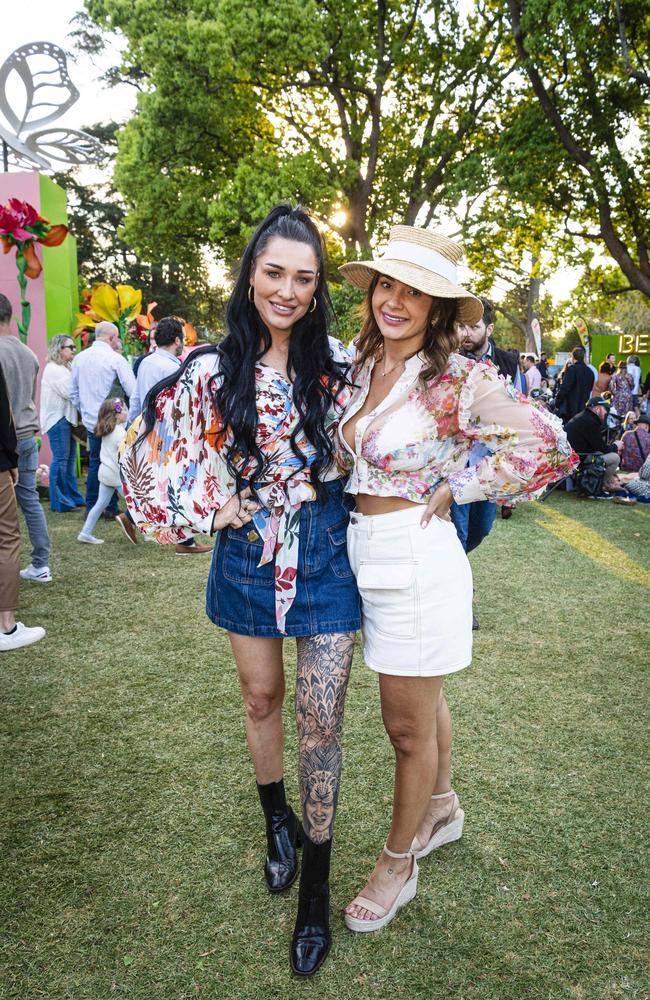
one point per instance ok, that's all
(417, 413)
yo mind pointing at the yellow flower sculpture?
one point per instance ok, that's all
(119, 305)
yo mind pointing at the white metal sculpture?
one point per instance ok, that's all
(38, 72)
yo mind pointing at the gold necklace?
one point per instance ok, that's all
(390, 370)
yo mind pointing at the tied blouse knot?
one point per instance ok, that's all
(176, 477)
(423, 434)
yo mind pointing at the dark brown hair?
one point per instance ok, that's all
(107, 416)
(440, 338)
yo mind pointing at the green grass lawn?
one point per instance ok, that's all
(132, 837)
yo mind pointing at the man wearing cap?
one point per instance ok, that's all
(93, 373)
(585, 434)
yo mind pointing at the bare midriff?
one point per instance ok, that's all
(369, 505)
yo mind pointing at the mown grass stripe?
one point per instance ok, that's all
(594, 545)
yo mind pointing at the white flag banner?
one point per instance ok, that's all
(537, 334)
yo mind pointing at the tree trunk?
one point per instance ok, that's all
(354, 232)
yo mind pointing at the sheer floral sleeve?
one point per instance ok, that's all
(175, 477)
(528, 448)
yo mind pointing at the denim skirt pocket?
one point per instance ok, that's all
(337, 538)
(242, 551)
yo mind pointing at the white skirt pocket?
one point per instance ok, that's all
(388, 591)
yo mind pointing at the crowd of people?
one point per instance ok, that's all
(344, 490)
(83, 398)
(605, 415)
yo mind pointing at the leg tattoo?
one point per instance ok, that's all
(323, 671)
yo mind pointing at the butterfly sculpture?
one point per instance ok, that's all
(36, 90)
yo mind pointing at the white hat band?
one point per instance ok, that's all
(414, 254)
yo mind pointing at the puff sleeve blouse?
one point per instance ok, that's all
(176, 476)
(422, 434)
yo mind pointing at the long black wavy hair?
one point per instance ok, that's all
(317, 378)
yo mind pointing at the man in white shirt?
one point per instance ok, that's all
(533, 377)
(163, 361)
(156, 366)
(93, 373)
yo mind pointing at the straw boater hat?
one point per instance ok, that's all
(423, 260)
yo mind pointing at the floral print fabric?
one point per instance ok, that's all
(176, 477)
(636, 448)
(421, 435)
(620, 387)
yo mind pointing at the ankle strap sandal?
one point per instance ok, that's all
(381, 914)
(445, 830)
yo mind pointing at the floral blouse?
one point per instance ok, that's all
(620, 386)
(636, 448)
(177, 477)
(420, 435)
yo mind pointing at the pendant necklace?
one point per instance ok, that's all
(390, 370)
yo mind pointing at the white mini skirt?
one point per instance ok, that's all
(416, 593)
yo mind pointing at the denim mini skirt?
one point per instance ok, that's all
(241, 594)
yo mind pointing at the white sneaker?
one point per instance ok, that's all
(41, 575)
(89, 539)
(21, 636)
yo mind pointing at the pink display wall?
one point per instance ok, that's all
(53, 295)
(26, 187)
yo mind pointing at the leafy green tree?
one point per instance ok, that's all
(365, 110)
(96, 217)
(577, 140)
(347, 302)
(598, 298)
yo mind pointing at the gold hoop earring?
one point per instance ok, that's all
(251, 295)
(313, 305)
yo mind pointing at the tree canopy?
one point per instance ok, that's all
(579, 141)
(96, 214)
(526, 121)
(366, 111)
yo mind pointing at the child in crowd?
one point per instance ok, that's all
(111, 428)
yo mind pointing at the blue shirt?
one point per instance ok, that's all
(154, 367)
(93, 374)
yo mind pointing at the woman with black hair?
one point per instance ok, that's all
(240, 441)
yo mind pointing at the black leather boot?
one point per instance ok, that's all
(283, 835)
(311, 940)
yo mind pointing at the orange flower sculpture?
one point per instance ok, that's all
(121, 306)
(190, 336)
(140, 329)
(142, 326)
(21, 227)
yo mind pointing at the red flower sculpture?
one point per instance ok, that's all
(21, 226)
